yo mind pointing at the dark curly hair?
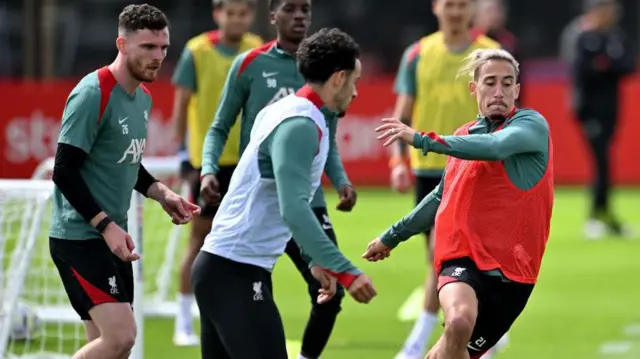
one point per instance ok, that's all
(218, 4)
(273, 4)
(138, 17)
(325, 53)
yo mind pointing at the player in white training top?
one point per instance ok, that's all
(268, 202)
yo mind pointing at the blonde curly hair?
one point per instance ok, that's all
(478, 58)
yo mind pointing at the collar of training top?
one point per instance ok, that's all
(307, 92)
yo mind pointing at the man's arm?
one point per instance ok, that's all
(292, 148)
(184, 79)
(526, 134)
(145, 182)
(334, 168)
(418, 221)
(78, 132)
(405, 88)
(234, 96)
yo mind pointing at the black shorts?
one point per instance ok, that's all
(294, 253)
(238, 317)
(424, 186)
(91, 274)
(224, 179)
(500, 302)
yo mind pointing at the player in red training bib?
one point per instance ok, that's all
(492, 209)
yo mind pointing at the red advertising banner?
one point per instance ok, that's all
(30, 118)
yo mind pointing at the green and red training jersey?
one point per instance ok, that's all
(259, 78)
(110, 125)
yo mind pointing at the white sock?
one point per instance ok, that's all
(184, 321)
(416, 343)
(300, 356)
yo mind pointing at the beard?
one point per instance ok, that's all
(137, 71)
(498, 117)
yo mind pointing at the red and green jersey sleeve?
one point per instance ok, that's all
(232, 101)
(523, 146)
(185, 72)
(405, 83)
(288, 153)
(81, 117)
(334, 168)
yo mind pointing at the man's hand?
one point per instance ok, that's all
(393, 130)
(329, 284)
(400, 179)
(362, 290)
(120, 243)
(348, 198)
(376, 251)
(210, 189)
(179, 209)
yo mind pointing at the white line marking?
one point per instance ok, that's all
(632, 330)
(615, 348)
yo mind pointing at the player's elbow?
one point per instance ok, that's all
(290, 212)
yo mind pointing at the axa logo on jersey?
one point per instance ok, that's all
(281, 93)
(135, 149)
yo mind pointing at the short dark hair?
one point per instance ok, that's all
(326, 52)
(273, 4)
(138, 17)
(217, 4)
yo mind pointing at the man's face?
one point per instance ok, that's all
(490, 15)
(234, 19)
(292, 19)
(496, 89)
(144, 50)
(608, 13)
(453, 15)
(346, 84)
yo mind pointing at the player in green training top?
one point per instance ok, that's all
(256, 79)
(97, 166)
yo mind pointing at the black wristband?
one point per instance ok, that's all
(102, 225)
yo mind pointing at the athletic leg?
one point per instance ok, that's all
(236, 299)
(98, 285)
(416, 343)
(91, 330)
(460, 306)
(323, 317)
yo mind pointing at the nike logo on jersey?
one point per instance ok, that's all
(268, 74)
(121, 121)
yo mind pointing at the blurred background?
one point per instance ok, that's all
(586, 303)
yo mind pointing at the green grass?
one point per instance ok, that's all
(586, 296)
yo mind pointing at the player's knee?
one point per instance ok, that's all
(459, 323)
(121, 340)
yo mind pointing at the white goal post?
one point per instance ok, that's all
(157, 240)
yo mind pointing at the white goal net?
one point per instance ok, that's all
(36, 320)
